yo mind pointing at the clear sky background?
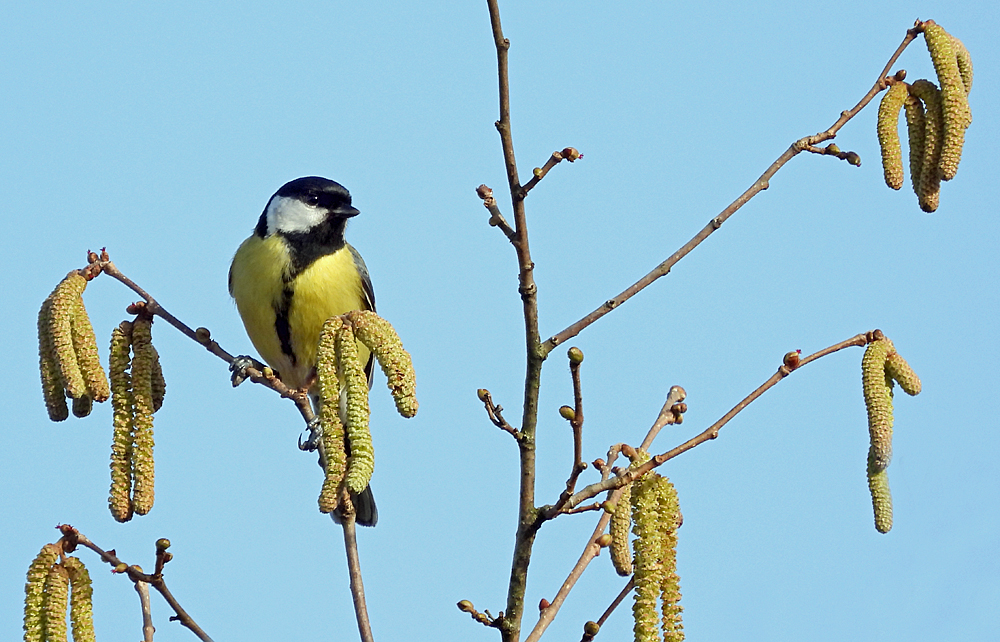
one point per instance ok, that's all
(159, 130)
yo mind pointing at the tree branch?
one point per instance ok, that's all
(758, 186)
(354, 569)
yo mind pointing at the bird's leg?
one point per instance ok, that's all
(315, 435)
(239, 368)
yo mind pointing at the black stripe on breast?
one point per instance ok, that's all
(282, 325)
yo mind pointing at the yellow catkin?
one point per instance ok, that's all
(63, 307)
(900, 371)
(87, 358)
(157, 383)
(888, 134)
(670, 587)
(361, 464)
(964, 61)
(954, 103)
(53, 389)
(119, 500)
(56, 600)
(334, 456)
(621, 522)
(929, 189)
(34, 592)
(142, 399)
(82, 406)
(648, 549)
(81, 601)
(915, 125)
(878, 484)
(381, 338)
(877, 389)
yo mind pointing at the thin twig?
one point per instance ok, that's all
(611, 608)
(708, 434)
(148, 629)
(495, 413)
(354, 569)
(569, 153)
(74, 537)
(666, 416)
(496, 217)
(758, 186)
(590, 551)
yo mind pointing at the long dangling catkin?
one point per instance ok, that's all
(877, 388)
(53, 389)
(648, 548)
(888, 134)
(81, 601)
(929, 191)
(335, 458)
(63, 305)
(142, 399)
(158, 384)
(954, 103)
(119, 499)
(56, 600)
(87, 357)
(361, 464)
(964, 61)
(621, 522)
(381, 338)
(670, 587)
(34, 592)
(878, 485)
(915, 125)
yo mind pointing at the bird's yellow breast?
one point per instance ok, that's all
(267, 294)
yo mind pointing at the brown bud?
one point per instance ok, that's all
(484, 192)
(570, 154)
(598, 463)
(203, 335)
(853, 159)
(792, 359)
(543, 604)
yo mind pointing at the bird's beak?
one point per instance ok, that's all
(346, 212)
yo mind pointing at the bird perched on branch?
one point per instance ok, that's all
(292, 274)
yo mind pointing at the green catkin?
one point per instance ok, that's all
(56, 600)
(670, 589)
(648, 549)
(621, 521)
(954, 103)
(87, 357)
(81, 601)
(929, 186)
(361, 464)
(915, 125)
(900, 371)
(142, 399)
(878, 484)
(964, 64)
(119, 500)
(34, 592)
(888, 134)
(63, 307)
(335, 458)
(157, 382)
(877, 388)
(381, 338)
(53, 389)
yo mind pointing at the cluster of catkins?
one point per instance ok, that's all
(137, 391)
(338, 364)
(880, 366)
(67, 352)
(936, 119)
(52, 584)
(650, 507)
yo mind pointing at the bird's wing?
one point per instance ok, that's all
(366, 285)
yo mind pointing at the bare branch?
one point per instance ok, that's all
(495, 414)
(568, 153)
(758, 186)
(496, 217)
(611, 609)
(147, 614)
(354, 569)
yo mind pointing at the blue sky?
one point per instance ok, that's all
(160, 130)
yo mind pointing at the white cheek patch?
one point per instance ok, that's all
(286, 214)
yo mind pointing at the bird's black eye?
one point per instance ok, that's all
(311, 200)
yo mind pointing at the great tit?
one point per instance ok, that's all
(292, 274)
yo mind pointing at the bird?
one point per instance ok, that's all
(294, 272)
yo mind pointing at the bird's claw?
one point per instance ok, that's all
(315, 434)
(239, 368)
